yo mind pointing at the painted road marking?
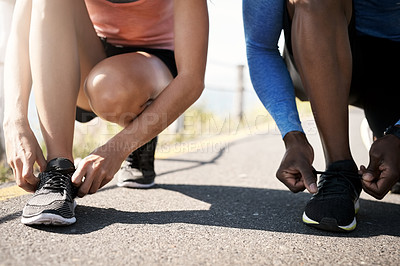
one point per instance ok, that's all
(11, 192)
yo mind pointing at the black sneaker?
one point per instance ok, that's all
(138, 169)
(53, 202)
(334, 206)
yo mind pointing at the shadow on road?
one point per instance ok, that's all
(239, 207)
(194, 164)
(232, 207)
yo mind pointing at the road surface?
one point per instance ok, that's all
(220, 205)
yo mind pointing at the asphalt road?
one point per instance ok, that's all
(221, 205)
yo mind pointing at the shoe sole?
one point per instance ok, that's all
(330, 224)
(49, 219)
(131, 184)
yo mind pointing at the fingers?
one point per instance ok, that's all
(28, 176)
(89, 178)
(380, 175)
(82, 179)
(298, 178)
(77, 177)
(379, 188)
(91, 183)
(291, 179)
(309, 179)
(21, 182)
(105, 181)
(366, 175)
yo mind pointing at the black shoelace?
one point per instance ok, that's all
(330, 186)
(57, 182)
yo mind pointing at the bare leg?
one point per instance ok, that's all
(322, 53)
(119, 88)
(63, 48)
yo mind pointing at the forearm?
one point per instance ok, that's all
(17, 73)
(273, 86)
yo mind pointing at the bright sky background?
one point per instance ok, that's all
(226, 32)
(227, 50)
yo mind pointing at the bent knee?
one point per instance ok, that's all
(113, 96)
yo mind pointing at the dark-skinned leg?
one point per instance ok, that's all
(322, 53)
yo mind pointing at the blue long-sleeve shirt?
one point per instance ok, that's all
(263, 24)
(269, 75)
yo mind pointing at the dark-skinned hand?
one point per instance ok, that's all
(383, 170)
(296, 170)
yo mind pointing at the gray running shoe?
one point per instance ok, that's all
(138, 169)
(53, 202)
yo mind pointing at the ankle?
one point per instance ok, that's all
(341, 156)
(340, 165)
(60, 156)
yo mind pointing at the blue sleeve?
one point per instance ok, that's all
(271, 80)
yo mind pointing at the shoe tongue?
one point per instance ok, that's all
(345, 165)
(60, 164)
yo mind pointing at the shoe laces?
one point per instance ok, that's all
(56, 181)
(336, 182)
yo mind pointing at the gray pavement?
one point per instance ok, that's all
(219, 206)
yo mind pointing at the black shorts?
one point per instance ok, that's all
(375, 84)
(166, 56)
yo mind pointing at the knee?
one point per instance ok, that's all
(112, 95)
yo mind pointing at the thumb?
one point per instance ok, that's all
(77, 177)
(27, 174)
(366, 176)
(309, 180)
(372, 171)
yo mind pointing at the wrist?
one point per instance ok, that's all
(295, 138)
(16, 121)
(119, 147)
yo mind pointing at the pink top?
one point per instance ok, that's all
(144, 23)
